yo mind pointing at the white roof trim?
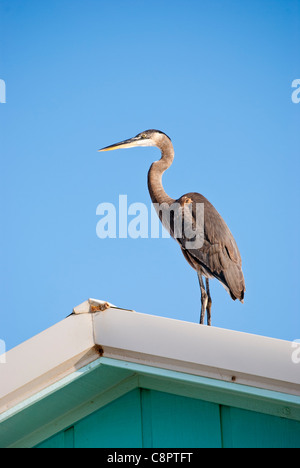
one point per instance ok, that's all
(156, 341)
(207, 351)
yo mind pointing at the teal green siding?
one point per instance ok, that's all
(177, 421)
(150, 418)
(116, 425)
(242, 429)
(56, 441)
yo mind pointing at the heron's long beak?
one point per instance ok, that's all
(122, 144)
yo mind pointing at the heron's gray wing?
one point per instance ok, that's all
(218, 255)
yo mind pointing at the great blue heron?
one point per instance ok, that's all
(217, 256)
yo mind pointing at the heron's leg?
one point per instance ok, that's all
(204, 298)
(209, 302)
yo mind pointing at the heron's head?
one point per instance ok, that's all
(146, 138)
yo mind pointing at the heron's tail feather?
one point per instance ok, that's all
(234, 280)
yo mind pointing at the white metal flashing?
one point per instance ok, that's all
(97, 328)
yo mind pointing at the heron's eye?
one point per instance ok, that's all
(143, 135)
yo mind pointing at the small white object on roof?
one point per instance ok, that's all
(92, 306)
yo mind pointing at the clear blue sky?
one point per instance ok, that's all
(214, 75)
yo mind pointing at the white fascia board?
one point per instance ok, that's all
(46, 358)
(188, 347)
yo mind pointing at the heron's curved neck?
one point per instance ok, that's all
(156, 190)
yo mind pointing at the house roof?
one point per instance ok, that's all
(103, 343)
